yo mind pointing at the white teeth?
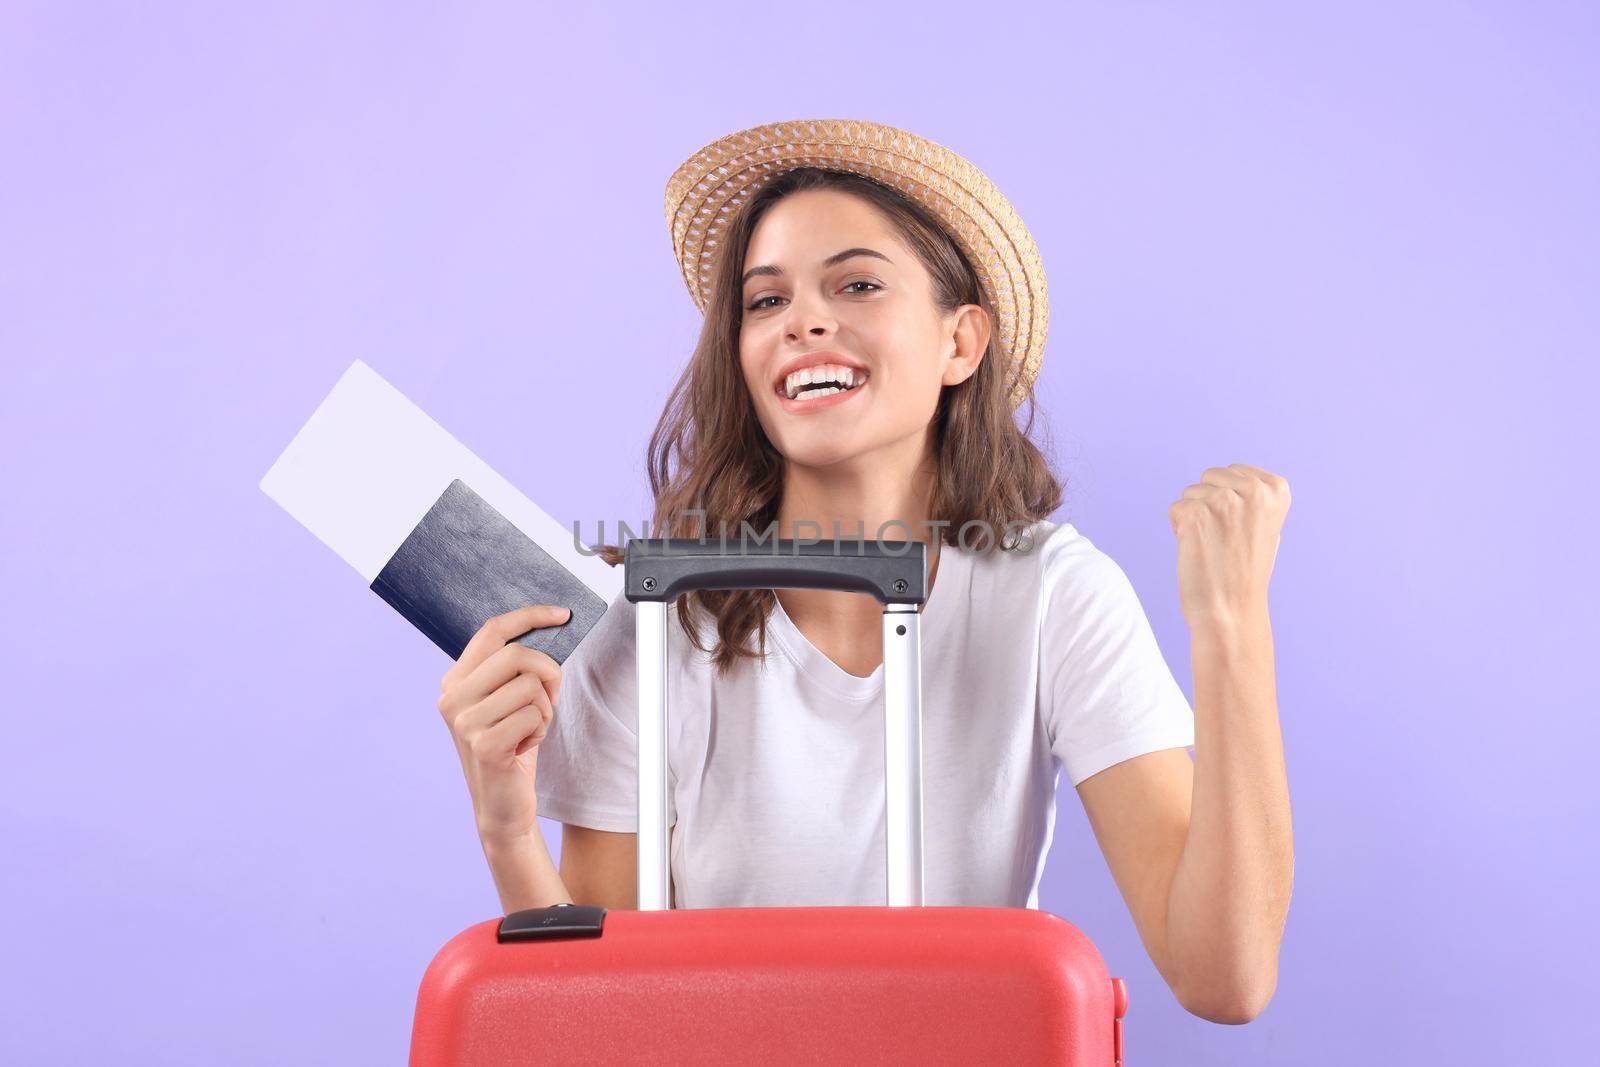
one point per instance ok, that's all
(845, 376)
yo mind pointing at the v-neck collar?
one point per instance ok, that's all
(948, 591)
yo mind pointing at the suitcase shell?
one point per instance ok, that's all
(895, 984)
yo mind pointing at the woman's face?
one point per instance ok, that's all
(873, 314)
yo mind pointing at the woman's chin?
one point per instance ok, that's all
(820, 451)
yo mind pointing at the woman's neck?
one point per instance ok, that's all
(848, 502)
(884, 496)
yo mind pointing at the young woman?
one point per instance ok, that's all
(875, 311)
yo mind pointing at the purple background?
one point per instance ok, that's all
(1351, 243)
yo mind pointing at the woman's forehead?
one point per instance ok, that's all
(803, 229)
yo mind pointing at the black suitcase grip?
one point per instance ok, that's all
(665, 568)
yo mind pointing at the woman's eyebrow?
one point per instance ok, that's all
(837, 257)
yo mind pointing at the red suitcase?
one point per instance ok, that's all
(898, 984)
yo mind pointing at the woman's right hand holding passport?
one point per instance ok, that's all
(498, 701)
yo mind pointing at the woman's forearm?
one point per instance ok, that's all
(524, 873)
(1230, 892)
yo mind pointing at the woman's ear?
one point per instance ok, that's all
(969, 340)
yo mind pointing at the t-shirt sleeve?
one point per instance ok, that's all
(588, 762)
(1107, 692)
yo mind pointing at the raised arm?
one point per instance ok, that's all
(1204, 854)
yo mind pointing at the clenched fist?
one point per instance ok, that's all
(1228, 527)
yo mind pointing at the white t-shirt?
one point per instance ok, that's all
(1031, 661)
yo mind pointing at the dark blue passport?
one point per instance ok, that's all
(465, 563)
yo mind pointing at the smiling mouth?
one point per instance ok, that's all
(816, 401)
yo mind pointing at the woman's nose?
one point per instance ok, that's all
(808, 315)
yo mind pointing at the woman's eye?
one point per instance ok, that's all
(758, 305)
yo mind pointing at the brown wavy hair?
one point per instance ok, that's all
(710, 454)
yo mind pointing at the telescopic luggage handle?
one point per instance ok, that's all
(658, 570)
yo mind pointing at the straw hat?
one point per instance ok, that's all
(705, 192)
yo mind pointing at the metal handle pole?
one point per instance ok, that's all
(902, 747)
(654, 873)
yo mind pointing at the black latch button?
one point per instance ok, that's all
(553, 923)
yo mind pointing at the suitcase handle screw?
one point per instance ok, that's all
(649, 585)
(900, 585)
